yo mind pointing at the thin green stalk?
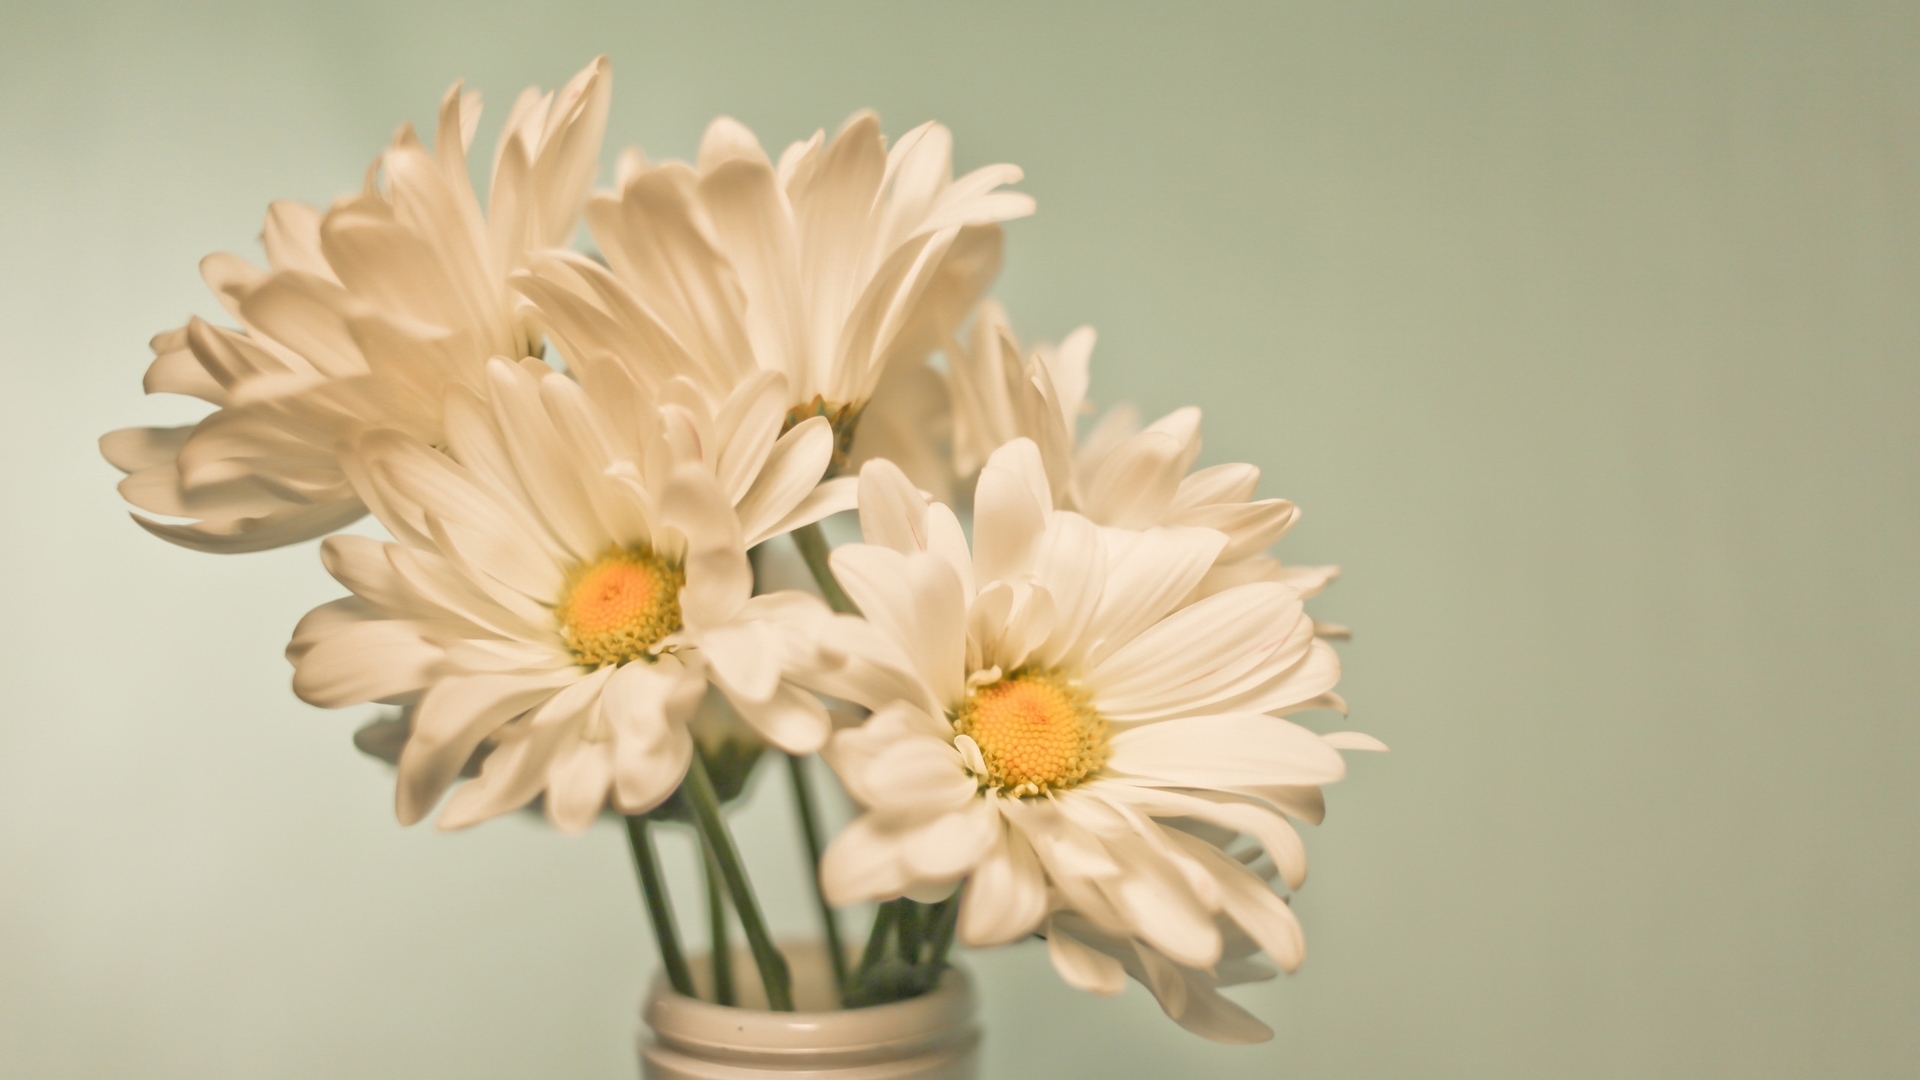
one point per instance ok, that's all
(883, 922)
(659, 908)
(810, 829)
(946, 917)
(907, 931)
(720, 953)
(812, 542)
(698, 789)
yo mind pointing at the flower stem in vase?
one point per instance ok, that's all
(907, 928)
(659, 908)
(810, 830)
(946, 917)
(698, 789)
(884, 921)
(721, 953)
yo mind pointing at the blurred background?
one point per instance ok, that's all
(1585, 335)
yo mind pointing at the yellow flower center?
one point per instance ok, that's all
(619, 605)
(1036, 731)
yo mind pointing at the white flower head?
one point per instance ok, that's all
(1118, 474)
(827, 266)
(565, 581)
(1046, 699)
(364, 317)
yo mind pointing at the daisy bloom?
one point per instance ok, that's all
(1119, 474)
(828, 266)
(364, 317)
(565, 582)
(1046, 700)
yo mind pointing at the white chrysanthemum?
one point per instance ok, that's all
(1045, 697)
(827, 267)
(364, 317)
(1118, 474)
(566, 580)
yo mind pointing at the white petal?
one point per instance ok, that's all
(892, 513)
(748, 424)
(577, 782)
(930, 892)
(915, 601)
(1231, 483)
(454, 715)
(1009, 514)
(1072, 567)
(1146, 579)
(1163, 912)
(719, 578)
(953, 843)
(1353, 740)
(1307, 684)
(745, 657)
(791, 719)
(946, 539)
(825, 500)
(863, 863)
(1204, 653)
(1082, 966)
(327, 619)
(1250, 903)
(647, 706)
(916, 777)
(1251, 528)
(857, 662)
(509, 779)
(792, 471)
(136, 448)
(1225, 751)
(360, 563)
(1006, 897)
(1268, 828)
(1135, 485)
(365, 661)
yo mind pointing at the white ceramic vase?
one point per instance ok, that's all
(931, 1037)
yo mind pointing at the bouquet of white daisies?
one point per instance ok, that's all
(1051, 674)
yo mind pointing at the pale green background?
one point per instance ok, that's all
(1585, 334)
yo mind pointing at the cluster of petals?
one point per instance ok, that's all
(456, 619)
(841, 259)
(1193, 687)
(363, 317)
(1118, 474)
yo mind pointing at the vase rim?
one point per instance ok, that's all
(704, 1026)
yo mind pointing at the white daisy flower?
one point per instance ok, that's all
(1046, 699)
(1118, 474)
(826, 267)
(565, 581)
(365, 315)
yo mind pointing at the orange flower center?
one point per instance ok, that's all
(1036, 731)
(619, 606)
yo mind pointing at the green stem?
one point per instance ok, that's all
(946, 917)
(812, 542)
(659, 908)
(907, 931)
(720, 952)
(698, 788)
(810, 829)
(883, 922)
